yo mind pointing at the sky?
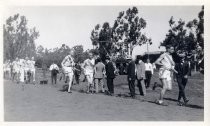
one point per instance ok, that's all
(72, 25)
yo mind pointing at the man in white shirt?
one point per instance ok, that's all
(27, 66)
(148, 73)
(7, 69)
(15, 69)
(23, 69)
(32, 68)
(167, 65)
(89, 70)
(67, 65)
(54, 71)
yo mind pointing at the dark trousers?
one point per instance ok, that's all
(182, 84)
(54, 78)
(28, 77)
(131, 84)
(77, 78)
(148, 75)
(110, 85)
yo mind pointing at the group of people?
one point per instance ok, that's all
(95, 71)
(168, 71)
(20, 70)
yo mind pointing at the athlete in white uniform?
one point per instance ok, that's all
(32, 68)
(166, 64)
(15, 70)
(67, 65)
(89, 71)
(27, 69)
(22, 69)
(7, 69)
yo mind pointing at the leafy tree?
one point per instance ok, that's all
(123, 36)
(197, 28)
(178, 37)
(186, 37)
(19, 40)
(78, 53)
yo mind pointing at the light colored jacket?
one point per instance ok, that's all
(99, 70)
(140, 71)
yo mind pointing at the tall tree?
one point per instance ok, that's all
(178, 36)
(19, 40)
(186, 37)
(197, 29)
(123, 36)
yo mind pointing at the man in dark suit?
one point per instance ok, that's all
(77, 72)
(182, 77)
(131, 71)
(110, 69)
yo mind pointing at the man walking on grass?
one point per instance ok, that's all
(110, 74)
(88, 68)
(183, 70)
(167, 65)
(54, 71)
(67, 65)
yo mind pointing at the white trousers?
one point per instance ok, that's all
(89, 76)
(33, 73)
(69, 72)
(21, 75)
(70, 75)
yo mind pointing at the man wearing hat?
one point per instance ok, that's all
(131, 71)
(110, 74)
(182, 67)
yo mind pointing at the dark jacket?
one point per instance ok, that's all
(77, 70)
(110, 70)
(182, 69)
(131, 70)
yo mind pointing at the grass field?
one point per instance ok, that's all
(28, 102)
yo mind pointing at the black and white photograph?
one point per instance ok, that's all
(103, 63)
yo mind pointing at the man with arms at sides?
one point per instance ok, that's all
(67, 65)
(33, 69)
(77, 72)
(140, 73)
(99, 71)
(88, 67)
(15, 69)
(167, 65)
(110, 75)
(54, 71)
(148, 73)
(23, 69)
(131, 71)
(183, 70)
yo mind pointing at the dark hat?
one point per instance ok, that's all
(129, 58)
(107, 57)
(139, 57)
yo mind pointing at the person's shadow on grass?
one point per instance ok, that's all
(187, 105)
